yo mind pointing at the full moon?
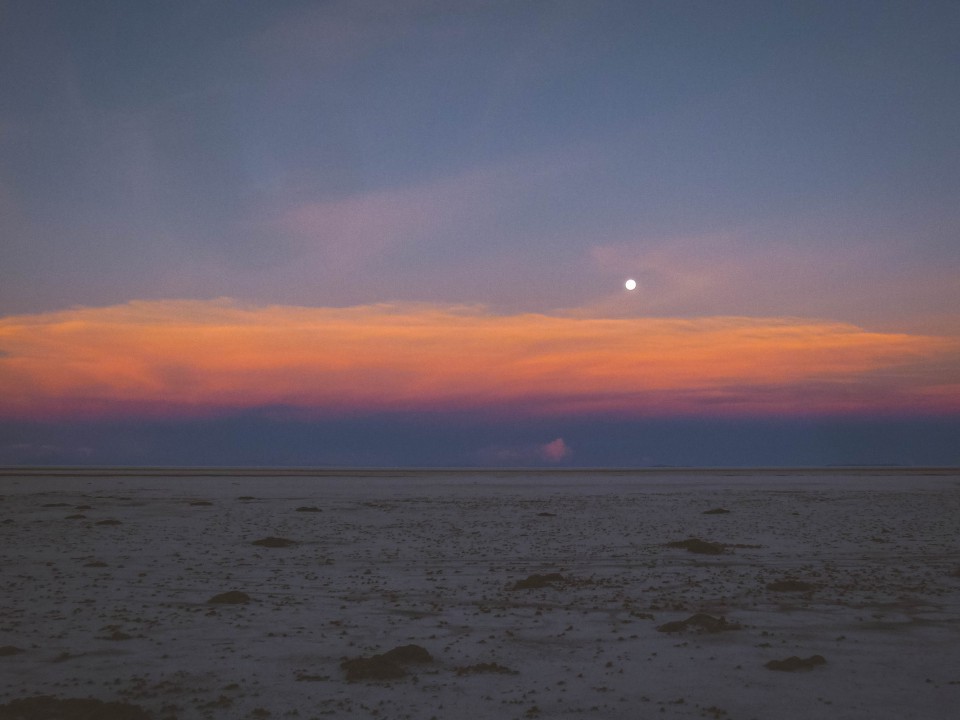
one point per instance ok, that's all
(630, 284)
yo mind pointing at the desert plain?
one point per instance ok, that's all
(790, 594)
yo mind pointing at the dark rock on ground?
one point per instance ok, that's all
(386, 666)
(700, 622)
(537, 581)
(309, 508)
(274, 542)
(716, 511)
(201, 503)
(794, 663)
(232, 597)
(7, 650)
(108, 522)
(696, 545)
(44, 707)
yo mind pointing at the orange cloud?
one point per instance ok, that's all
(196, 357)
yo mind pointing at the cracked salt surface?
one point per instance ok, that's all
(859, 568)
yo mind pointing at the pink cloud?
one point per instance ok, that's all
(344, 234)
(555, 451)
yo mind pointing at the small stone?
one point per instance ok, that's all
(274, 542)
(536, 581)
(696, 545)
(386, 666)
(232, 597)
(794, 663)
(45, 707)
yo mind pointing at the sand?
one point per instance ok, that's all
(824, 594)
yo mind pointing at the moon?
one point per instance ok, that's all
(630, 284)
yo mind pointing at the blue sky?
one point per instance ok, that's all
(776, 161)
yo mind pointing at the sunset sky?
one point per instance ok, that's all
(377, 232)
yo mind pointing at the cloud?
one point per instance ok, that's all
(185, 357)
(356, 231)
(555, 451)
(345, 234)
(552, 452)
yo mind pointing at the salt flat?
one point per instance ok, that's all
(859, 567)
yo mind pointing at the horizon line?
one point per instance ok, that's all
(324, 471)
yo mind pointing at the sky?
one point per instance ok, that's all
(373, 233)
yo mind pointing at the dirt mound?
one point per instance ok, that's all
(108, 522)
(44, 707)
(794, 663)
(274, 542)
(201, 503)
(700, 622)
(10, 650)
(309, 508)
(481, 668)
(790, 585)
(696, 545)
(716, 511)
(386, 666)
(232, 597)
(535, 581)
